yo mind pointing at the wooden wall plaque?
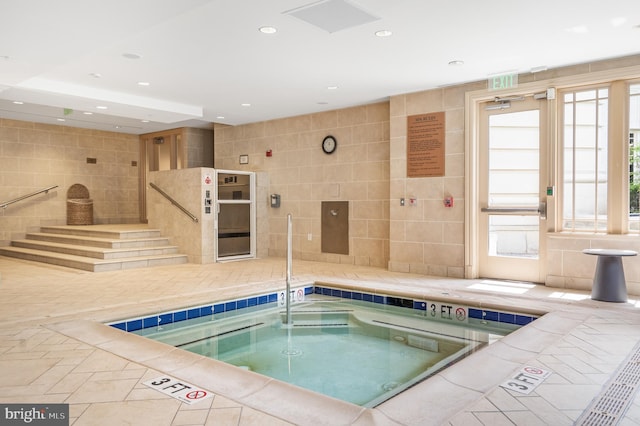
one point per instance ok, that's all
(425, 145)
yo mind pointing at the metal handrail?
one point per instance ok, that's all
(289, 320)
(174, 202)
(46, 190)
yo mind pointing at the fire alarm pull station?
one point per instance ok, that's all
(448, 202)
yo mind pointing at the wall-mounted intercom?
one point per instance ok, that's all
(275, 200)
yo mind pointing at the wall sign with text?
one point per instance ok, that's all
(425, 145)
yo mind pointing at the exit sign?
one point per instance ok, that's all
(504, 81)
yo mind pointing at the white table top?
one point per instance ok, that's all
(610, 252)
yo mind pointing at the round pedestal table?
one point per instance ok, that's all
(608, 282)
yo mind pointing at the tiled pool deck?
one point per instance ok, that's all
(54, 348)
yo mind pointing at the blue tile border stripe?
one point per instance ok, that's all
(164, 318)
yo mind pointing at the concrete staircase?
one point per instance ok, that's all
(96, 248)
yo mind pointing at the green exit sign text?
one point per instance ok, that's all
(505, 81)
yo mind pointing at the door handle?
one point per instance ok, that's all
(540, 210)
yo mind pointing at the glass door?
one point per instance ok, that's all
(236, 215)
(512, 194)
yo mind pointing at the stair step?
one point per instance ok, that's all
(95, 252)
(97, 248)
(104, 231)
(92, 264)
(97, 241)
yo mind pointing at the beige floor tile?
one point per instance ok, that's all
(101, 361)
(93, 391)
(140, 413)
(23, 372)
(190, 417)
(224, 416)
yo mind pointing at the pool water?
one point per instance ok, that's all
(350, 350)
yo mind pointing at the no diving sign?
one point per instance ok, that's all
(178, 389)
(526, 380)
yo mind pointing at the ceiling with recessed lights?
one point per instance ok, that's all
(148, 65)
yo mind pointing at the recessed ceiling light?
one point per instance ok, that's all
(131, 55)
(220, 117)
(61, 119)
(383, 33)
(456, 63)
(332, 87)
(87, 113)
(95, 75)
(267, 30)
(245, 105)
(101, 107)
(143, 83)
(538, 69)
(618, 21)
(18, 102)
(578, 29)
(323, 103)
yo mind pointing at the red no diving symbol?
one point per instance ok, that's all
(533, 370)
(197, 394)
(461, 314)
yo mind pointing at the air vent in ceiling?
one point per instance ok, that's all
(332, 15)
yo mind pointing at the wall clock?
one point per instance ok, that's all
(329, 144)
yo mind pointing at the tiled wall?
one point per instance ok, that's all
(304, 176)
(428, 238)
(199, 147)
(35, 156)
(568, 267)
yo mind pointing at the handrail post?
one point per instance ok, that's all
(288, 292)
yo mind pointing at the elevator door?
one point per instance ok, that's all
(236, 215)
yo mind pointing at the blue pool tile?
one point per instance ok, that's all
(336, 292)
(230, 306)
(206, 310)
(242, 303)
(356, 295)
(507, 318)
(262, 300)
(308, 290)
(523, 319)
(273, 297)
(134, 325)
(252, 301)
(421, 306)
(179, 316)
(379, 299)
(166, 319)
(326, 291)
(367, 297)
(346, 295)
(193, 313)
(475, 313)
(490, 316)
(218, 308)
(120, 326)
(150, 322)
